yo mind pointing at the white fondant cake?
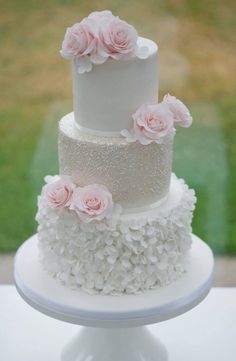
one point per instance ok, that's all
(114, 221)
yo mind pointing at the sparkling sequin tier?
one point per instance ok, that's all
(136, 175)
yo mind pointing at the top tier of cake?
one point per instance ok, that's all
(106, 97)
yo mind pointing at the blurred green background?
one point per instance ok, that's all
(197, 55)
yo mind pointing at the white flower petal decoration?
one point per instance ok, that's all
(51, 178)
(142, 52)
(83, 64)
(97, 58)
(129, 135)
(109, 256)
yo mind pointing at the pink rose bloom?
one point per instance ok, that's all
(152, 123)
(101, 16)
(59, 192)
(92, 202)
(180, 112)
(79, 40)
(117, 39)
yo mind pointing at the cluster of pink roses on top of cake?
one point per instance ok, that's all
(98, 37)
(156, 122)
(90, 202)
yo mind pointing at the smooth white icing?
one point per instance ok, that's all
(106, 97)
(125, 254)
(136, 175)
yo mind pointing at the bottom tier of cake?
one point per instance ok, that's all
(132, 252)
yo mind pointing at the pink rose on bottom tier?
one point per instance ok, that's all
(93, 201)
(59, 191)
(152, 123)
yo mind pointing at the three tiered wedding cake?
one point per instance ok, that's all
(115, 220)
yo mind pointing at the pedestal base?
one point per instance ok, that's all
(110, 336)
(128, 344)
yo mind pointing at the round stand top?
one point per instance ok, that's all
(47, 295)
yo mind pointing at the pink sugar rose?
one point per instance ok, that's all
(98, 37)
(117, 39)
(79, 40)
(152, 123)
(180, 112)
(59, 191)
(93, 201)
(101, 16)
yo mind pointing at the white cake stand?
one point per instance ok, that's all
(114, 324)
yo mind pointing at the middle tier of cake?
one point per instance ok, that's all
(136, 175)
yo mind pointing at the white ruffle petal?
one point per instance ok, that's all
(98, 58)
(142, 52)
(83, 64)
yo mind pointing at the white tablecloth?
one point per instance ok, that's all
(207, 332)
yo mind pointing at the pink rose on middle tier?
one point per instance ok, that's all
(180, 112)
(93, 201)
(152, 123)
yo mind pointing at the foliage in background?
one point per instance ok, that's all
(196, 63)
